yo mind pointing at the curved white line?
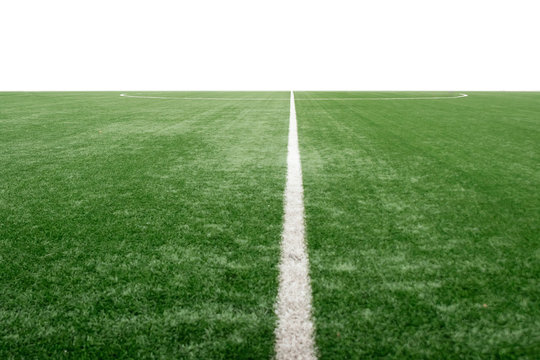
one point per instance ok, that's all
(390, 98)
(317, 99)
(200, 98)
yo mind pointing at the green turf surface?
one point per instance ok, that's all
(138, 228)
(422, 223)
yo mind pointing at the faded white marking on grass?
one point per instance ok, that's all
(295, 329)
(388, 98)
(314, 99)
(201, 98)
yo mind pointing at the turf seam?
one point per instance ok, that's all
(295, 328)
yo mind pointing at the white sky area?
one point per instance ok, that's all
(269, 45)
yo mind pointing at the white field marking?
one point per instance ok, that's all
(389, 98)
(316, 99)
(295, 329)
(200, 98)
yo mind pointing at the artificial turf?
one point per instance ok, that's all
(150, 228)
(423, 224)
(140, 228)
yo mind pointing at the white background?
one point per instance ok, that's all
(269, 45)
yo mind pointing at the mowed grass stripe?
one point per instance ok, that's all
(139, 228)
(422, 218)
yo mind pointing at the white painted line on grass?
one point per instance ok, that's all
(200, 98)
(313, 99)
(389, 98)
(295, 329)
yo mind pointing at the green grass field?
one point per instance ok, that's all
(150, 228)
(418, 213)
(138, 228)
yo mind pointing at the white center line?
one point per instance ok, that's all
(295, 329)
